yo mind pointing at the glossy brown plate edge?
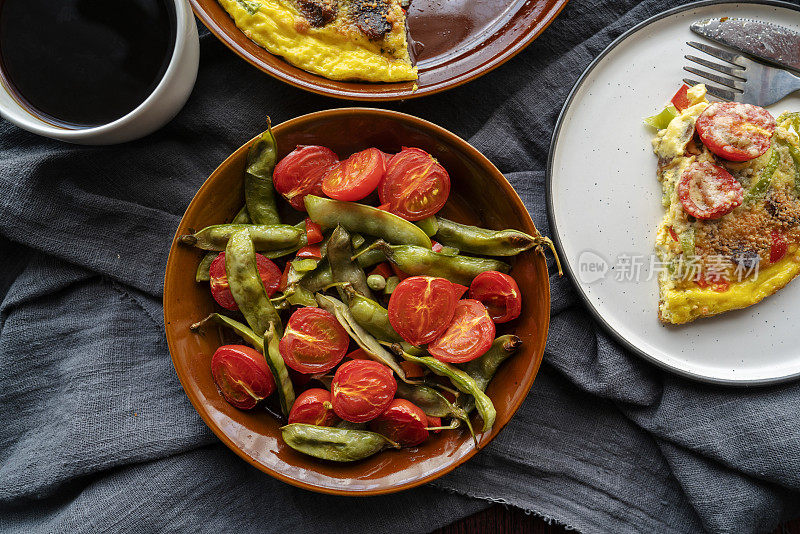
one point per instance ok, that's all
(280, 69)
(537, 353)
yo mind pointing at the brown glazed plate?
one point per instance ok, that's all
(454, 41)
(479, 195)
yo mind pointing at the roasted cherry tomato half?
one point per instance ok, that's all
(499, 293)
(402, 422)
(313, 407)
(421, 308)
(778, 247)
(314, 341)
(412, 370)
(708, 191)
(736, 131)
(469, 336)
(356, 177)
(358, 354)
(313, 232)
(221, 291)
(300, 173)
(415, 185)
(362, 390)
(242, 375)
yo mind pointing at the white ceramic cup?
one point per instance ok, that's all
(160, 107)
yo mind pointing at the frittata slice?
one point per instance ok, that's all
(338, 39)
(743, 244)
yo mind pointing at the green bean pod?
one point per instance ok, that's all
(428, 225)
(343, 268)
(368, 257)
(483, 241)
(279, 253)
(334, 444)
(318, 279)
(264, 237)
(373, 317)
(483, 369)
(246, 285)
(461, 380)
(421, 261)
(364, 219)
(279, 371)
(244, 331)
(362, 338)
(259, 194)
(203, 275)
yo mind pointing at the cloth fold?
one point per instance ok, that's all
(98, 434)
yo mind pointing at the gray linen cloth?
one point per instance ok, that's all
(97, 434)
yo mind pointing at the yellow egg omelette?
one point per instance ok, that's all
(743, 245)
(339, 39)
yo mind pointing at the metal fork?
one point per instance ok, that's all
(747, 81)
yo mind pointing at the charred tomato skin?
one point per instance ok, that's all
(242, 375)
(403, 422)
(362, 390)
(313, 407)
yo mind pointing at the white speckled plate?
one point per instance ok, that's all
(605, 205)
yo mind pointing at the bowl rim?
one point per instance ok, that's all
(344, 93)
(513, 199)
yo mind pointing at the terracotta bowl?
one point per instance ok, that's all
(480, 195)
(460, 41)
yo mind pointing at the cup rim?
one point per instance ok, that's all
(35, 125)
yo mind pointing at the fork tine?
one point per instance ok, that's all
(724, 69)
(722, 94)
(722, 80)
(718, 53)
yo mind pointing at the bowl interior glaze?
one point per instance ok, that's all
(480, 195)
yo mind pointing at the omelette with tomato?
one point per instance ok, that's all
(730, 176)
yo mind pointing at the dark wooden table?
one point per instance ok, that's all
(499, 519)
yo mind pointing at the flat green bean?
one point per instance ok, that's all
(363, 339)
(318, 279)
(371, 316)
(246, 285)
(461, 380)
(344, 269)
(202, 274)
(364, 219)
(483, 368)
(421, 261)
(483, 241)
(428, 225)
(243, 330)
(303, 241)
(264, 237)
(334, 444)
(259, 193)
(279, 371)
